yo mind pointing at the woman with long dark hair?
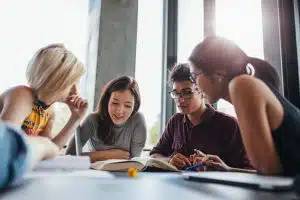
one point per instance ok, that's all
(116, 130)
(269, 123)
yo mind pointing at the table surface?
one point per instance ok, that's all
(145, 186)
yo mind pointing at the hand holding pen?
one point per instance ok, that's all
(180, 161)
(195, 167)
(198, 160)
(212, 161)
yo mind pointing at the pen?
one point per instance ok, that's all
(191, 168)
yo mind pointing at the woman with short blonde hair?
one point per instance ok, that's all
(52, 69)
(52, 75)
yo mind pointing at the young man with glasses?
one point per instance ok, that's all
(198, 126)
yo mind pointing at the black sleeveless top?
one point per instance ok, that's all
(287, 137)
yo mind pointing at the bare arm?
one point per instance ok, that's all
(78, 108)
(96, 155)
(63, 136)
(48, 130)
(87, 129)
(217, 163)
(17, 105)
(43, 148)
(251, 99)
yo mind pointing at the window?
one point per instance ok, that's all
(190, 27)
(240, 21)
(149, 64)
(29, 25)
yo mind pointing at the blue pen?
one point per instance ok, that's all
(194, 167)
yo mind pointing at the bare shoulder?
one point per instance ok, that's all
(246, 91)
(17, 104)
(20, 93)
(250, 89)
(249, 86)
(245, 84)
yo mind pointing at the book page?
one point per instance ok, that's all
(155, 162)
(115, 164)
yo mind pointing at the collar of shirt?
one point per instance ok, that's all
(205, 117)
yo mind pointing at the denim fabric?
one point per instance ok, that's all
(14, 154)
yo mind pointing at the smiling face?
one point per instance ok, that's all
(120, 106)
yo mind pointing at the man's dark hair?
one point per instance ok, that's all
(180, 72)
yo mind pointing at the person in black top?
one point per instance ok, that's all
(269, 123)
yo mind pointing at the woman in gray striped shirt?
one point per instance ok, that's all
(116, 130)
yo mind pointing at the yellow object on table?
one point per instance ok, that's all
(132, 172)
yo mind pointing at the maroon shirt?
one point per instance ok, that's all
(217, 134)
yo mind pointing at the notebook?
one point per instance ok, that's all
(254, 181)
(64, 163)
(141, 164)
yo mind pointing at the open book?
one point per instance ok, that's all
(139, 163)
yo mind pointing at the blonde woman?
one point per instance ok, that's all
(52, 75)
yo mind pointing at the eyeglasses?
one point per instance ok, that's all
(186, 94)
(194, 75)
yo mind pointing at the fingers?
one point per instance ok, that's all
(192, 159)
(125, 157)
(199, 153)
(184, 159)
(214, 158)
(180, 161)
(177, 162)
(83, 104)
(124, 154)
(215, 166)
(187, 161)
(77, 101)
(217, 163)
(196, 158)
(199, 160)
(74, 90)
